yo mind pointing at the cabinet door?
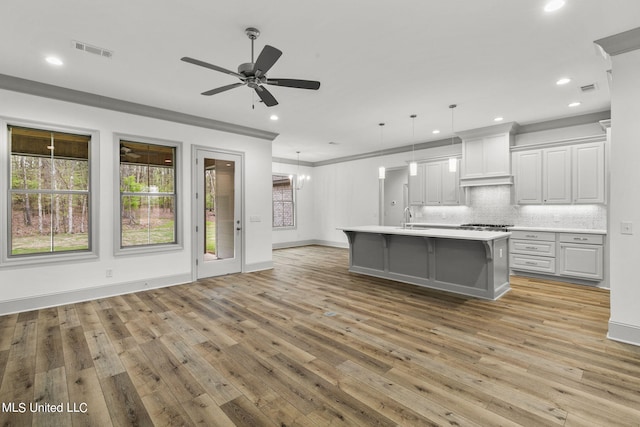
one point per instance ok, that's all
(528, 181)
(416, 187)
(588, 173)
(556, 175)
(433, 183)
(496, 155)
(473, 158)
(450, 185)
(583, 261)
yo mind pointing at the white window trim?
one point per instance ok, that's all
(6, 260)
(295, 202)
(179, 212)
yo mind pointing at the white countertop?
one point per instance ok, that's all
(430, 232)
(559, 230)
(520, 228)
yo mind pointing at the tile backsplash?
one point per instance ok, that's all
(492, 205)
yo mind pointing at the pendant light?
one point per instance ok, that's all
(300, 179)
(381, 169)
(453, 162)
(413, 166)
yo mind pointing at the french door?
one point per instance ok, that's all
(218, 218)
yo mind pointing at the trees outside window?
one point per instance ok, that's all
(283, 203)
(147, 194)
(49, 192)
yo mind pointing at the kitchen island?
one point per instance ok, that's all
(469, 262)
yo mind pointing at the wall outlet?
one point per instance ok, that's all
(255, 218)
(626, 227)
(556, 218)
(444, 215)
(109, 272)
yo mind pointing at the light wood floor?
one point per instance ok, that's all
(310, 344)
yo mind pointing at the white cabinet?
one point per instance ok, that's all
(560, 175)
(528, 176)
(486, 159)
(588, 173)
(581, 255)
(556, 175)
(434, 185)
(416, 187)
(533, 251)
(576, 255)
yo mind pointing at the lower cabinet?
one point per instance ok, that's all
(576, 255)
(581, 256)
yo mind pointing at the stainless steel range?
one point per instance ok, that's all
(485, 227)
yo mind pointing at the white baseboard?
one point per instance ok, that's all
(258, 266)
(91, 293)
(629, 334)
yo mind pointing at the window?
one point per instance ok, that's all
(283, 203)
(50, 203)
(148, 196)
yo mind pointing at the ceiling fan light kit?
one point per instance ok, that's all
(254, 74)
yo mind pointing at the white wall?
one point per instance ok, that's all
(27, 287)
(624, 324)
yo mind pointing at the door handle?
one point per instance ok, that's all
(238, 228)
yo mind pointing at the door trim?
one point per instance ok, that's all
(194, 205)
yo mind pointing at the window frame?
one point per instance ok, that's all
(294, 197)
(118, 250)
(6, 258)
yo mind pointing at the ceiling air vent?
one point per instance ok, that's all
(588, 88)
(106, 53)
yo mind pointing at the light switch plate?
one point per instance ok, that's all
(626, 227)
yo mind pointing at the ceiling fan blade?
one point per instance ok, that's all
(221, 89)
(211, 66)
(266, 59)
(300, 84)
(266, 96)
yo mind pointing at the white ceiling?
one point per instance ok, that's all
(378, 61)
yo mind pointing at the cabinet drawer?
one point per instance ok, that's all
(591, 239)
(533, 247)
(533, 235)
(533, 263)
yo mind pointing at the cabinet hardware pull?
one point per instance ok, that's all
(582, 239)
(533, 248)
(531, 263)
(532, 235)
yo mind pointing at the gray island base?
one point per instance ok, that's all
(468, 262)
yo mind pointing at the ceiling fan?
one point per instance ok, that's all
(254, 74)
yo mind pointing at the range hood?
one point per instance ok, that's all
(486, 155)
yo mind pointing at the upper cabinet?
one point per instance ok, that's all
(486, 159)
(588, 173)
(434, 185)
(560, 174)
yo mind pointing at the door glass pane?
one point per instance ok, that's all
(219, 209)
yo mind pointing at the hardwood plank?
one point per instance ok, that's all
(123, 402)
(105, 357)
(244, 413)
(84, 388)
(49, 351)
(76, 351)
(50, 390)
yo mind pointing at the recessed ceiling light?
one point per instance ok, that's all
(574, 104)
(553, 5)
(273, 117)
(498, 119)
(563, 81)
(53, 60)
(435, 131)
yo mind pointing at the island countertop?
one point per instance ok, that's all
(442, 233)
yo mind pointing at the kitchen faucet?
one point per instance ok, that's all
(406, 216)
